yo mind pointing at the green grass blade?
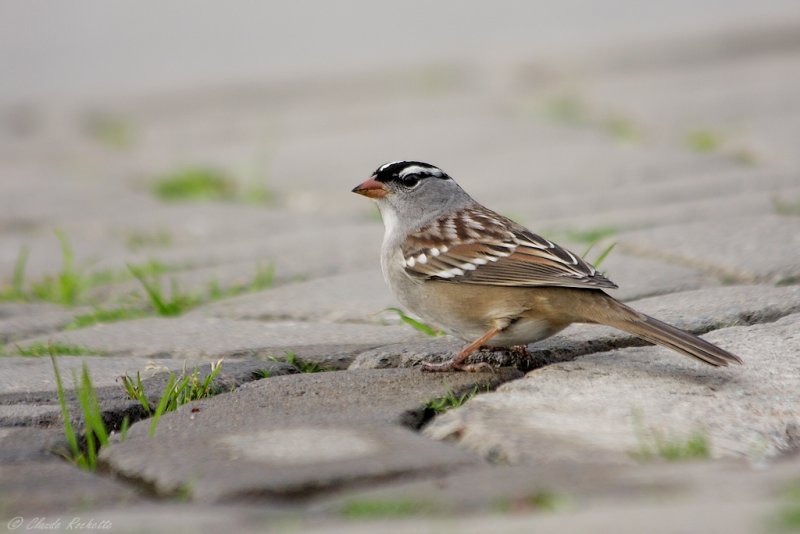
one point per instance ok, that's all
(604, 254)
(162, 404)
(68, 279)
(69, 431)
(95, 413)
(154, 293)
(123, 429)
(18, 280)
(419, 325)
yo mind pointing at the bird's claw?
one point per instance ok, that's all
(450, 365)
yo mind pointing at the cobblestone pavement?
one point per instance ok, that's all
(679, 147)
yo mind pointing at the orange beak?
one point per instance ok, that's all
(372, 188)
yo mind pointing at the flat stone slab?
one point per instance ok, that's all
(719, 496)
(290, 252)
(32, 489)
(568, 489)
(292, 436)
(639, 278)
(745, 249)
(352, 297)
(30, 374)
(697, 311)
(606, 406)
(194, 338)
(21, 320)
(35, 482)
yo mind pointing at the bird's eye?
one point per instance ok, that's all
(410, 181)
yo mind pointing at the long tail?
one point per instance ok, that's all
(613, 313)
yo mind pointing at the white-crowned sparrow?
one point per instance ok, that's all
(489, 280)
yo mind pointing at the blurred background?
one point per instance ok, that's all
(219, 138)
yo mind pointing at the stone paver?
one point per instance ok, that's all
(356, 297)
(264, 439)
(609, 405)
(21, 320)
(199, 338)
(35, 481)
(763, 249)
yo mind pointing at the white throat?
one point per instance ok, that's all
(390, 223)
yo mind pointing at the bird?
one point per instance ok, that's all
(489, 280)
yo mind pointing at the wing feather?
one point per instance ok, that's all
(479, 246)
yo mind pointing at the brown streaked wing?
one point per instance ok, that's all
(498, 252)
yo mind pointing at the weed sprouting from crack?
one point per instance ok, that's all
(176, 303)
(703, 140)
(302, 365)
(179, 390)
(83, 453)
(786, 207)
(451, 400)
(654, 444)
(207, 183)
(39, 348)
(375, 508)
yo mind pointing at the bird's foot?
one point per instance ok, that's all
(520, 351)
(452, 365)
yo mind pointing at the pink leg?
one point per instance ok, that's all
(457, 363)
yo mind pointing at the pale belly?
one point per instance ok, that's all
(463, 310)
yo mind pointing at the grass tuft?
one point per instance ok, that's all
(207, 183)
(262, 373)
(195, 183)
(65, 287)
(621, 128)
(179, 390)
(654, 444)
(176, 303)
(111, 130)
(95, 433)
(264, 278)
(703, 140)
(378, 508)
(603, 255)
(573, 110)
(786, 207)
(303, 366)
(450, 400)
(16, 291)
(39, 348)
(567, 108)
(590, 236)
(105, 315)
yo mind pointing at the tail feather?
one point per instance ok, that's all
(684, 342)
(620, 316)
